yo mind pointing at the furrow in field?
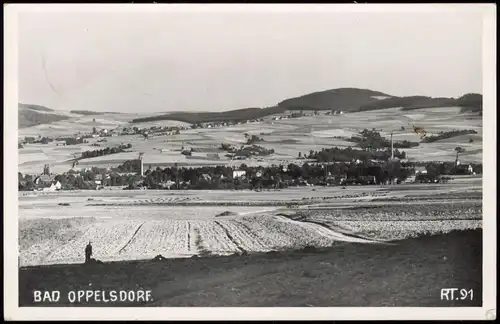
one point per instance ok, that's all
(107, 239)
(244, 236)
(228, 234)
(214, 239)
(195, 245)
(279, 233)
(133, 235)
(165, 237)
(188, 239)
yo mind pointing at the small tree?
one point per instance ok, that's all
(459, 150)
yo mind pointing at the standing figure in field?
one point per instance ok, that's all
(88, 252)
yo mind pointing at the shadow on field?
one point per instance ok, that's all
(408, 273)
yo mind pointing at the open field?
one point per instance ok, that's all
(348, 275)
(287, 137)
(128, 225)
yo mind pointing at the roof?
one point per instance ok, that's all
(46, 178)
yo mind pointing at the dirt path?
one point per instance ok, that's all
(327, 231)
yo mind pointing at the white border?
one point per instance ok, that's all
(13, 312)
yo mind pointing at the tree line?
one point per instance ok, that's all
(349, 154)
(372, 140)
(105, 151)
(444, 135)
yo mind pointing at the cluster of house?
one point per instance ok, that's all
(281, 117)
(48, 182)
(231, 123)
(158, 130)
(301, 114)
(335, 112)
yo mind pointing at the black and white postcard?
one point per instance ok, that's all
(313, 162)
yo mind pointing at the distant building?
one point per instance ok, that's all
(54, 186)
(420, 170)
(47, 183)
(44, 179)
(98, 180)
(239, 173)
(410, 179)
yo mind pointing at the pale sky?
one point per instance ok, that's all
(160, 62)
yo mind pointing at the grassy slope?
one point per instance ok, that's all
(35, 107)
(29, 115)
(408, 273)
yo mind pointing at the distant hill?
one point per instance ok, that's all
(407, 103)
(86, 112)
(230, 115)
(346, 99)
(471, 102)
(35, 107)
(32, 115)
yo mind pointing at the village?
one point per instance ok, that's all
(133, 175)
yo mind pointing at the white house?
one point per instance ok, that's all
(420, 170)
(239, 173)
(206, 177)
(53, 186)
(410, 179)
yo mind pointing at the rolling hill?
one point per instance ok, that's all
(86, 112)
(471, 102)
(346, 99)
(32, 115)
(34, 107)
